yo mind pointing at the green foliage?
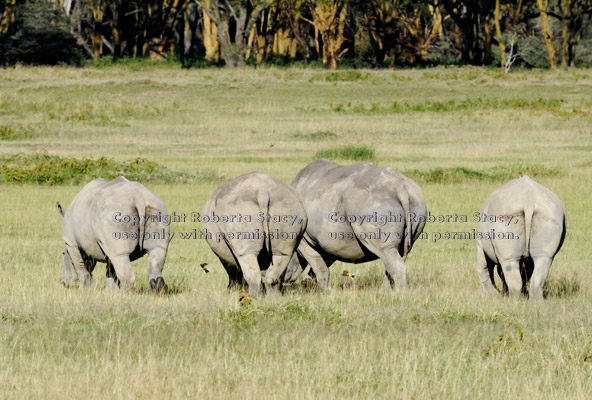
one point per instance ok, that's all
(43, 37)
(245, 299)
(533, 52)
(48, 169)
(347, 153)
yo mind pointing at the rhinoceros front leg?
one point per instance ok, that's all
(236, 279)
(156, 260)
(276, 270)
(112, 282)
(539, 276)
(83, 274)
(485, 272)
(317, 263)
(294, 269)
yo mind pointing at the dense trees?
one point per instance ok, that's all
(235, 32)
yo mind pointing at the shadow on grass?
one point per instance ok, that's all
(341, 282)
(173, 288)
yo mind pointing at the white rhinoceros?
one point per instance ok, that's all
(357, 213)
(521, 228)
(254, 224)
(115, 222)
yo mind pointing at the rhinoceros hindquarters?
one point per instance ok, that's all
(522, 232)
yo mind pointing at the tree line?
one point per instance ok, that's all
(372, 33)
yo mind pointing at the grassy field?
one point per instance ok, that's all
(460, 133)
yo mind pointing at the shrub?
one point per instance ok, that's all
(48, 169)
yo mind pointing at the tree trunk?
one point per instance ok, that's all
(487, 38)
(547, 33)
(239, 36)
(498, 34)
(225, 45)
(210, 36)
(8, 16)
(329, 22)
(96, 36)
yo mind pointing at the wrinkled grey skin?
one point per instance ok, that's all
(88, 228)
(355, 190)
(538, 227)
(245, 259)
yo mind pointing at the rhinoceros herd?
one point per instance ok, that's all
(264, 230)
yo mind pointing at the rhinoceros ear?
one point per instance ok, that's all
(60, 209)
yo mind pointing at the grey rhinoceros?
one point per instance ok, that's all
(254, 224)
(115, 222)
(357, 213)
(521, 229)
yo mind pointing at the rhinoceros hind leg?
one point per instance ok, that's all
(274, 273)
(252, 273)
(396, 270)
(156, 260)
(513, 277)
(157, 285)
(111, 285)
(485, 272)
(124, 271)
(539, 276)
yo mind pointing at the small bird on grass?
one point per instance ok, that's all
(203, 267)
(347, 273)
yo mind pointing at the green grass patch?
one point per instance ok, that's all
(347, 153)
(495, 174)
(507, 342)
(341, 76)
(315, 136)
(8, 132)
(468, 104)
(46, 169)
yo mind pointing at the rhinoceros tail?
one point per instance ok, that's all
(141, 210)
(264, 203)
(528, 211)
(403, 196)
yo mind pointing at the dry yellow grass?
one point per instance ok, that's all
(443, 339)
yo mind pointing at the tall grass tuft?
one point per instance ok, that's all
(347, 153)
(563, 286)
